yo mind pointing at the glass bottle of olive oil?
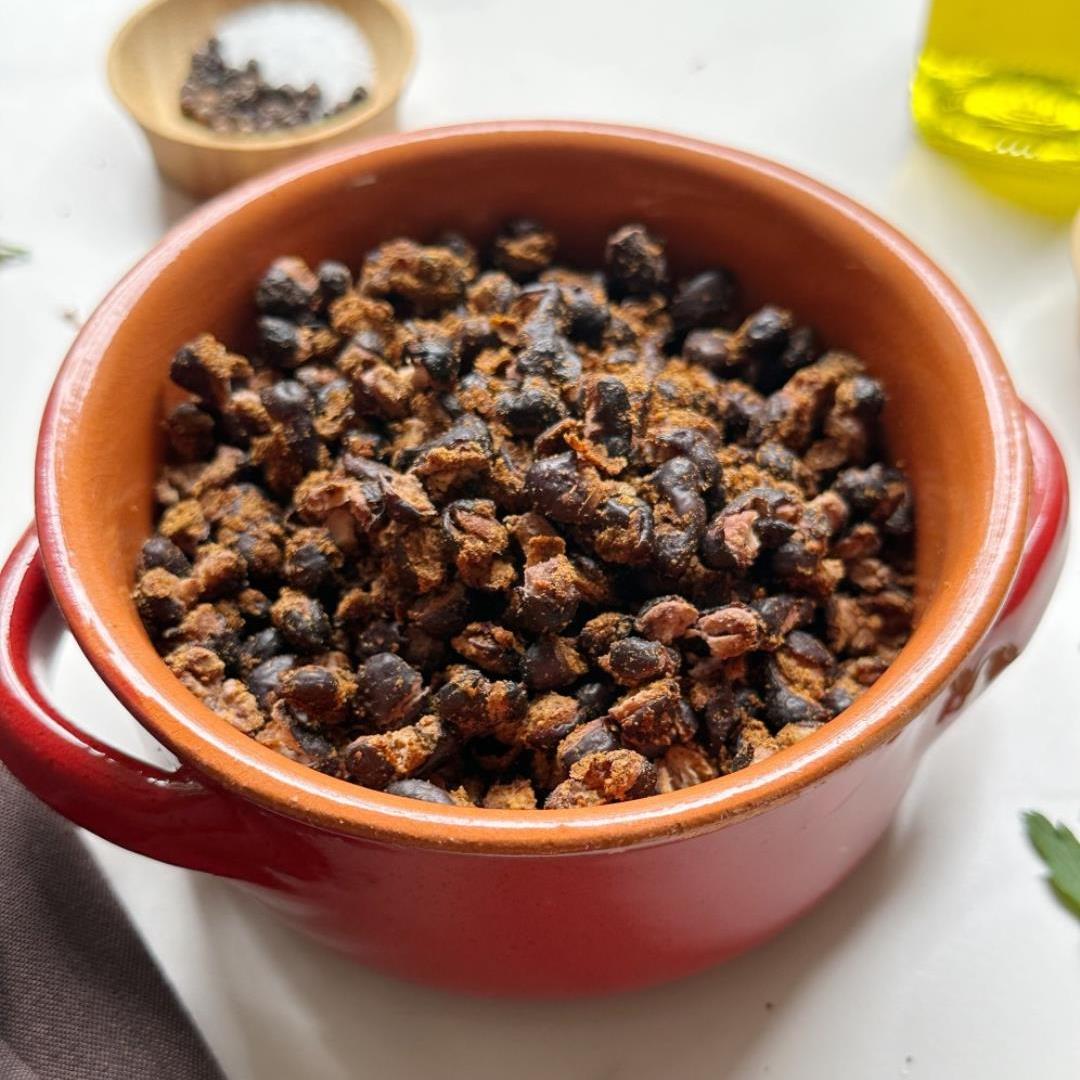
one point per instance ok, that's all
(998, 83)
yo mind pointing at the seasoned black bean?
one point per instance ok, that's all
(421, 790)
(479, 529)
(707, 299)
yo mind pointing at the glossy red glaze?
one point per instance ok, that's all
(560, 902)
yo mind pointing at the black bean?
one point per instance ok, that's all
(784, 705)
(653, 717)
(314, 693)
(635, 261)
(286, 288)
(744, 410)
(287, 401)
(261, 554)
(793, 561)
(161, 552)
(335, 279)
(765, 334)
(474, 335)
(693, 445)
(599, 634)
(593, 737)
(422, 790)
(867, 395)
(308, 568)
(901, 522)
(528, 411)
(370, 341)
(188, 371)
(190, 430)
(722, 717)
(836, 699)
(802, 349)
(624, 530)
(608, 415)
(680, 483)
(388, 691)
(666, 618)
(159, 610)
(552, 663)
(778, 460)
(709, 348)
(444, 613)
(549, 355)
(265, 680)
(493, 648)
(783, 612)
(302, 620)
(496, 291)
(588, 317)
(558, 489)
(875, 492)
(437, 356)
(544, 606)
(593, 700)
(366, 765)
(260, 647)
(523, 248)
(635, 660)
(380, 636)
(809, 650)
(467, 432)
(706, 299)
(317, 746)
(460, 702)
(279, 341)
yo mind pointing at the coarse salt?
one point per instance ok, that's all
(299, 42)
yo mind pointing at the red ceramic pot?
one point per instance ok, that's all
(554, 902)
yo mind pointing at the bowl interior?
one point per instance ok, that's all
(151, 55)
(790, 242)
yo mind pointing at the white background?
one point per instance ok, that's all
(945, 955)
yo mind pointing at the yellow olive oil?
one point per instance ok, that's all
(998, 83)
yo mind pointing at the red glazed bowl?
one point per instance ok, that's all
(554, 902)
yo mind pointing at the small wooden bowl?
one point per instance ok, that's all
(149, 60)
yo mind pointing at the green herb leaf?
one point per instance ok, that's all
(10, 252)
(1060, 850)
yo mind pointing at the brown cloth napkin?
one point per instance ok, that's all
(80, 998)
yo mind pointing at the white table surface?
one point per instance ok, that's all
(944, 956)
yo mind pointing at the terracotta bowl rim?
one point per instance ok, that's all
(238, 764)
(306, 136)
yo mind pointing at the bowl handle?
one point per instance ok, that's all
(1036, 576)
(171, 816)
(1044, 550)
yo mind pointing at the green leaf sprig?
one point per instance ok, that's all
(11, 252)
(1060, 850)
